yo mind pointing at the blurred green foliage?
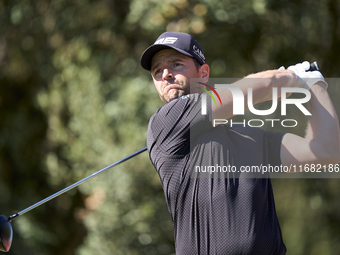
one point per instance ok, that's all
(74, 99)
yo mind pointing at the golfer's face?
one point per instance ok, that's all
(171, 72)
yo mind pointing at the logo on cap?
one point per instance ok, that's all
(166, 40)
(198, 52)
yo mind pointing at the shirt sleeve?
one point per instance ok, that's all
(274, 140)
(175, 123)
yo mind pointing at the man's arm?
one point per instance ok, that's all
(321, 143)
(261, 84)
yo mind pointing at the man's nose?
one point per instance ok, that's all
(167, 74)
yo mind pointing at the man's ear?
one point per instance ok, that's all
(204, 71)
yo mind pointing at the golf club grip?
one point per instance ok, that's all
(314, 67)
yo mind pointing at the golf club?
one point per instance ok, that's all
(313, 67)
(6, 231)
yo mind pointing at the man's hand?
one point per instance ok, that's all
(306, 79)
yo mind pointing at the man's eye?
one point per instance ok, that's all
(158, 71)
(177, 64)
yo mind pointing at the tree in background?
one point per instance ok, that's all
(74, 99)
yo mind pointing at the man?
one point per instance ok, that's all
(230, 214)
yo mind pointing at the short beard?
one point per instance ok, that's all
(179, 93)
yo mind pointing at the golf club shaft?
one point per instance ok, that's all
(74, 185)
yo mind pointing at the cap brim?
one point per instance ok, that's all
(152, 50)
